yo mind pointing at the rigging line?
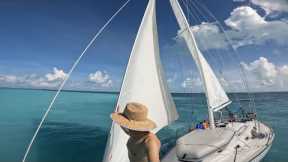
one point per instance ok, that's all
(187, 9)
(205, 17)
(254, 110)
(198, 18)
(200, 21)
(221, 58)
(190, 11)
(190, 16)
(244, 79)
(250, 5)
(182, 75)
(186, 3)
(225, 34)
(205, 48)
(209, 54)
(68, 75)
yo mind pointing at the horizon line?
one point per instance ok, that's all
(116, 92)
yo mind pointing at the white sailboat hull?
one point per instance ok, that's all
(262, 155)
(250, 150)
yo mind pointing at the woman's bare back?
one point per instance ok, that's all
(145, 149)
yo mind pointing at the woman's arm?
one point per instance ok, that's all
(153, 149)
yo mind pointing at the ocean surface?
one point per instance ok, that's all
(77, 127)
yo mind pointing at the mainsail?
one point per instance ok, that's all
(216, 96)
(145, 83)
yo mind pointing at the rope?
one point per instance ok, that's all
(195, 12)
(211, 56)
(68, 76)
(192, 17)
(220, 59)
(243, 75)
(236, 153)
(244, 79)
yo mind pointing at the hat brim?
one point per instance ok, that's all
(145, 125)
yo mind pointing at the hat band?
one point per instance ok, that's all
(134, 117)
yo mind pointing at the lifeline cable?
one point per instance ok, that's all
(68, 75)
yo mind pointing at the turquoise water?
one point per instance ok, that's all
(77, 127)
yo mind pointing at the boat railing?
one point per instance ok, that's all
(241, 130)
(271, 134)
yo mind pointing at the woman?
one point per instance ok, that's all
(143, 146)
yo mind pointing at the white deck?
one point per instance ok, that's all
(250, 149)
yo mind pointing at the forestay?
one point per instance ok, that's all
(216, 96)
(145, 83)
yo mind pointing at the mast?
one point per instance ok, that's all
(216, 97)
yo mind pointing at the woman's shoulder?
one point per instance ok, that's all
(152, 139)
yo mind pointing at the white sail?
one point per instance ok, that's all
(144, 83)
(216, 96)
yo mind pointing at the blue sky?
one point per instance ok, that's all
(41, 39)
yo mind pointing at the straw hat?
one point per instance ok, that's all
(134, 117)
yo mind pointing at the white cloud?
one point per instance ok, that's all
(254, 29)
(244, 18)
(265, 71)
(272, 5)
(56, 75)
(108, 84)
(51, 80)
(246, 27)
(41, 82)
(266, 75)
(8, 78)
(209, 36)
(191, 83)
(98, 77)
(284, 70)
(261, 75)
(101, 78)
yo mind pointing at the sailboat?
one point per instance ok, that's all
(237, 140)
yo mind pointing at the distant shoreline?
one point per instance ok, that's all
(64, 90)
(116, 92)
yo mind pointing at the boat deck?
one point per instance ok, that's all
(250, 149)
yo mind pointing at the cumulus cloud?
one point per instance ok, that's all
(8, 78)
(100, 78)
(272, 5)
(248, 27)
(245, 27)
(50, 80)
(264, 71)
(56, 75)
(209, 32)
(261, 75)
(244, 18)
(266, 74)
(108, 84)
